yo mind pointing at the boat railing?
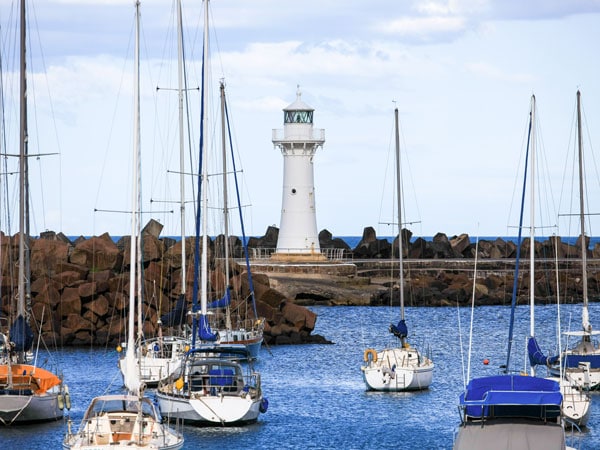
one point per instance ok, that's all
(247, 328)
(572, 434)
(225, 382)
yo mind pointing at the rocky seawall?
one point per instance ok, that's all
(441, 272)
(80, 289)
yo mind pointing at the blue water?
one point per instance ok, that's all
(317, 399)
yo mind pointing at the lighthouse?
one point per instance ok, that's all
(298, 141)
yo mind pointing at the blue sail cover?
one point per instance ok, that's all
(512, 396)
(21, 335)
(536, 356)
(223, 302)
(177, 315)
(204, 332)
(400, 330)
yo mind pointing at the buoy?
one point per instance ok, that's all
(119, 349)
(264, 405)
(67, 397)
(370, 353)
(61, 402)
(179, 384)
(486, 361)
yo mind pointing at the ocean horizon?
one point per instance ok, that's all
(353, 241)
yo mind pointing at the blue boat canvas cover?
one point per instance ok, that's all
(512, 396)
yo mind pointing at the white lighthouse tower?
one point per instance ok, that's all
(298, 141)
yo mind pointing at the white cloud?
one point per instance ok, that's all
(424, 26)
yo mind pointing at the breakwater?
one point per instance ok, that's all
(443, 271)
(79, 288)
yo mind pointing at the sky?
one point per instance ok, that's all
(461, 73)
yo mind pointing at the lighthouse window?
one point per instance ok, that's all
(298, 116)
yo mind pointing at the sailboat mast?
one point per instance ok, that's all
(532, 231)
(513, 302)
(181, 149)
(132, 379)
(137, 177)
(23, 188)
(399, 204)
(225, 204)
(204, 260)
(22, 163)
(587, 326)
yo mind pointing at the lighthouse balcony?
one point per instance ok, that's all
(299, 132)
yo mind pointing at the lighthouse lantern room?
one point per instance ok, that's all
(298, 141)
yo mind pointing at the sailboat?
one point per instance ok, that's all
(217, 383)
(160, 356)
(513, 410)
(401, 368)
(127, 420)
(576, 403)
(28, 393)
(244, 330)
(581, 364)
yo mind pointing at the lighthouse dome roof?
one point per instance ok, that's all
(298, 105)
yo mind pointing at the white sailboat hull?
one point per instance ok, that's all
(581, 377)
(157, 359)
(576, 403)
(252, 341)
(153, 370)
(576, 408)
(582, 365)
(398, 369)
(18, 409)
(221, 410)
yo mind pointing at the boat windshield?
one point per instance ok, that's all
(125, 404)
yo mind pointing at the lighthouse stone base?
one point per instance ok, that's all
(312, 257)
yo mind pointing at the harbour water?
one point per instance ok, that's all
(317, 398)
